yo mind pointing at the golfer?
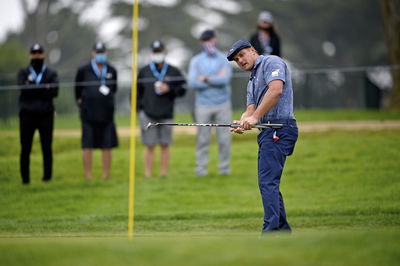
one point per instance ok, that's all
(269, 100)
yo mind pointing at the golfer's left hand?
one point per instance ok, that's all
(237, 130)
(248, 122)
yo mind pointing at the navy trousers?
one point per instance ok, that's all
(271, 160)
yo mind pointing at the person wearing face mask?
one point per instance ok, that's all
(159, 83)
(39, 86)
(95, 89)
(209, 76)
(266, 41)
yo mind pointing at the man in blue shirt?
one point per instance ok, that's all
(210, 75)
(269, 100)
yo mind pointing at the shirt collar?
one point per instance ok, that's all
(208, 55)
(256, 64)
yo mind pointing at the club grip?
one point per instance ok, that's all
(259, 126)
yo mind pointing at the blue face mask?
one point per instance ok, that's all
(210, 48)
(101, 58)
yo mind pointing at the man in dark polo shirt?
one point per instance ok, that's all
(269, 100)
(39, 86)
(95, 88)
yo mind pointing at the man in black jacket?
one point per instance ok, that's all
(39, 85)
(158, 85)
(95, 88)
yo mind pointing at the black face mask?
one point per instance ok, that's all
(37, 64)
(266, 29)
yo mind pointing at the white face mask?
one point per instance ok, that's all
(157, 57)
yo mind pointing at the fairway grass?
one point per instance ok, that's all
(304, 247)
(341, 191)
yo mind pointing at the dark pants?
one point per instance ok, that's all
(28, 123)
(271, 160)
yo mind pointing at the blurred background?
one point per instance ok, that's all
(336, 49)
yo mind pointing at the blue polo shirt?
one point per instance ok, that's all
(218, 90)
(265, 70)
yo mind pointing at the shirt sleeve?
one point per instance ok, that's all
(52, 92)
(225, 78)
(78, 83)
(192, 76)
(140, 90)
(177, 86)
(275, 70)
(114, 83)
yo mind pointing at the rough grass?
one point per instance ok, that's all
(340, 189)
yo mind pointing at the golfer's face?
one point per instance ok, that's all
(245, 58)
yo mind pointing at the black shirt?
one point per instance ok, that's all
(274, 44)
(95, 107)
(154, 105)
(37, 98)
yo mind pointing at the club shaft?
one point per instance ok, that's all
(215, 125)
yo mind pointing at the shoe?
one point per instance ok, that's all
(201, 174)
(275, 233)
(225, 171)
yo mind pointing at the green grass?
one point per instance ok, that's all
(308, 247)
(341, 192)
(67, 121)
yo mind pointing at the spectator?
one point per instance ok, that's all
(210, 75)
(159, 84)
(39, 85)
(266, 40)
(95, 89)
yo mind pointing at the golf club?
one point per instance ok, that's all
(260, 126)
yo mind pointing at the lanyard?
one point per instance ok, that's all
(37, 77)
(159, 75)
(102, 75)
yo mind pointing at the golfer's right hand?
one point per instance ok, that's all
(237, 130)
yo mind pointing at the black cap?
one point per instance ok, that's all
(206, 35)
(99, 47)
(36, 48)
(157, 46)
(236, 47)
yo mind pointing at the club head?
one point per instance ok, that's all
(149, 125)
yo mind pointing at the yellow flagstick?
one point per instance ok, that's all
(132, 157)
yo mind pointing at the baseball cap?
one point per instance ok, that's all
(236, 47)
(99, 47)
(157, 46)
(36, 48)
(265, 16)
(206, 35)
